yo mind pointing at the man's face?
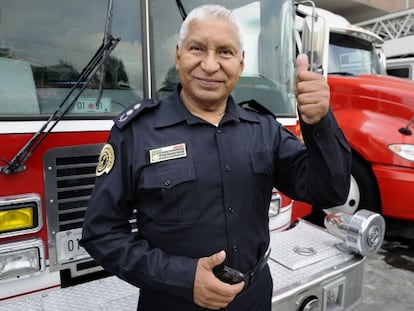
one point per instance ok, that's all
(209, 61)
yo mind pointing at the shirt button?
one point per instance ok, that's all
(228, 168)
(234, 249)
(218, 131)
(231, 210)
(167, 182)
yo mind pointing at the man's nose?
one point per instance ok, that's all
(210, 62)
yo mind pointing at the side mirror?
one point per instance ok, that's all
(313, 41)
(382, 59)
(362, 233)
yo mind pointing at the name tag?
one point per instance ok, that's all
(168, 153)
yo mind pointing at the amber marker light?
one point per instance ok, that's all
(17, 218)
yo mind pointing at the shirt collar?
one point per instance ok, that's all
(174, 111)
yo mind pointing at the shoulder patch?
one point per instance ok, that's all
(255, 106)
(130, 113)
(106, 160)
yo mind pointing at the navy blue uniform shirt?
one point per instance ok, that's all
(200, 188)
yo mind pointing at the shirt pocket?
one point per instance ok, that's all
(167, 193)
(262, 166)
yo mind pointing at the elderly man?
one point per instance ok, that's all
(200, 169)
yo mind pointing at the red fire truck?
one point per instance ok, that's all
(67, 68)
(375, 111)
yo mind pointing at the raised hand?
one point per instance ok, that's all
(312, 92)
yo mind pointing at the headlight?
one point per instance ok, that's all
(404, 151)
(20, 214)
(275, 204)
(21, 258)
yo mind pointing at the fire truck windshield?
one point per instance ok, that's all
(42, 52)
(350, 55)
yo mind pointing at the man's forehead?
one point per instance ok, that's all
(198, 32)
(214, 21)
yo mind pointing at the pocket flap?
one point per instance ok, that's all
(167, 176)
(262, 162)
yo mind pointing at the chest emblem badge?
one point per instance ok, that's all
(168, 153)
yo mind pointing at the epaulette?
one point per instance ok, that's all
(130, 113)
(255, 106)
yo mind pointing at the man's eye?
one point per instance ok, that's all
(195, 48)
(226, 52)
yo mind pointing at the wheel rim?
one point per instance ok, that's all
(352, 201)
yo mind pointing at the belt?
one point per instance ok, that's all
(251, 274)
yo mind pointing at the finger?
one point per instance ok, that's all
(215, 259)
(237, 288)
(227, 290)
(302, 63)
(222, 294)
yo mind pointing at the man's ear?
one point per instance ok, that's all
(241, 63)
(177, 57)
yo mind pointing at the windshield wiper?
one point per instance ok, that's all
(107, 38)
(108, 45)
(181, 9)
(341, 73)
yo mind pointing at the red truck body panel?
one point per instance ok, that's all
(370, 110)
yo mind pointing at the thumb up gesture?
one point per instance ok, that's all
(312, 92)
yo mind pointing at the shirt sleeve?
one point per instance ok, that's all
(107, 232)
(319, 171)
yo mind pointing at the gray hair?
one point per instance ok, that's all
(214, 11)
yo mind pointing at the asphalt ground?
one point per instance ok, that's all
(389, 275)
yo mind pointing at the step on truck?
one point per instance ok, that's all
(67, 68)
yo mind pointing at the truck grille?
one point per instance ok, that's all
(75, 179)
(69, 180)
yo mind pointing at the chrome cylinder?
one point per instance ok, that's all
(362, 233)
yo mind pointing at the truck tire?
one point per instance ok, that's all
(363, 194)
(366, 183)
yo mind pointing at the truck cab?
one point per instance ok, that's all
(375, 112)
